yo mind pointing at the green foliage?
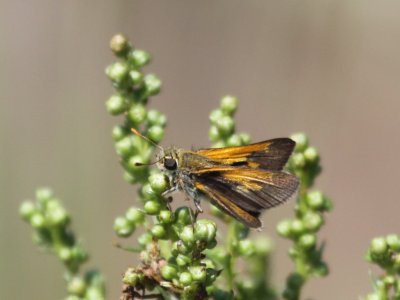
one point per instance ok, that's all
(385, 252)
(183, 256)
(51, 224)
(309, 217)
(172, 244)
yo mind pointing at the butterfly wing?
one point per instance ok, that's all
(244, 192)
(269, 155)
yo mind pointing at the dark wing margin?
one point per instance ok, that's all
(244, 193)
(269, 155)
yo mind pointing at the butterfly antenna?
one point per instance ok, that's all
(138, 164)
(146, 138)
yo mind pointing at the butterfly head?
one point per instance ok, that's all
(168, 160)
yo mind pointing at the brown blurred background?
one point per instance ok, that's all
(328, 68)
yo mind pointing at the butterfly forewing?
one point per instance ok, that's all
(269, 155)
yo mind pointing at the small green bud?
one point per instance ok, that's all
(373, 297)
(225, 125)
(263, 245)
(297, 227)
(43, 195)
(205, 230)
(133, 161)
(159, 231)
(212, 275)
(378, 246)
(201, 231)
(179, 247)
(131, 277)
(77, 286)
(183, 260)
(156, 118)
(219, 144)
(393, 242)
(396, 262)
(284, 228)
(168, 272)
(183, 215)
(119, 44)
(158, 182)
(187, 235)
(245, 138)
(64, 254)
(118, 133)
(57, 216)
(213, 133)
(117, 71)
(26, 210)
(123, 227)
(185, 278)
(307, 240)
(73, 297)
(198, 273)
(139, 58)
(166, 216)
(148, 193)
(152, 84)
(116, 105)
(144, 239)
(295, 281)
(152, 207)
(301, 141)
(311, 155)
(315, 200)
(298, 160)
(129, 177)
(137, 114)
(211, 244)
(246, 248)
(234, 140)
(312, 221)
(155, 133)
(79, 254)
(229, 104)
(94, 293)
(321, 269)
(135, 216)
(136, 77)
(389, 280)
(215, 115)
(37, 221)
(124, 146)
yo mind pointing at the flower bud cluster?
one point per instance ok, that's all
(310, 209)
(51, 224)
(222, 129)
(385, 252)
(173, 242)
(254, 251)
(187, 267)
(132, 91)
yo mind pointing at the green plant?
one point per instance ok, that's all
(52, 232)
(183, 256)
(385, 252)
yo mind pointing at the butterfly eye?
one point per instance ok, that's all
(170, 164)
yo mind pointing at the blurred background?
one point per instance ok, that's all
(328, 68)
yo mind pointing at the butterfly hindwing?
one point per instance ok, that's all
(245, 192)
